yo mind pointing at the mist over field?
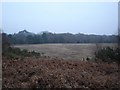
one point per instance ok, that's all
(60, 45)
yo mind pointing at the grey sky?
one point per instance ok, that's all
(78, 17)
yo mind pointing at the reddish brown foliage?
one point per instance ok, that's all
(52, 73)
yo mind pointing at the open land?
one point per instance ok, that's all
(52, 72)
(66, 51)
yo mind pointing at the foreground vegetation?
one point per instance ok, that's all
(108, 54)
(16, 53)
(35, 71)
(56, 73)
(48, 72)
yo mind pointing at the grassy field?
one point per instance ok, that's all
(66, 51)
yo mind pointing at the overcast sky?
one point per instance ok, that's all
(61, 17)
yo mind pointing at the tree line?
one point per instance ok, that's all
(25, 37)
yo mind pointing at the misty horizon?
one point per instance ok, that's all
(41, 32)
(100, 18)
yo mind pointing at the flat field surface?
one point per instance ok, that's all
(66, 51)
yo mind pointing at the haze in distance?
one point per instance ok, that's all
(60, 17)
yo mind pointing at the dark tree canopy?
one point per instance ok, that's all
(25, 37)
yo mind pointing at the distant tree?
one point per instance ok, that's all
(44, 37)
(5, 42)
(30, 39)
(25, 37)
(61, 39)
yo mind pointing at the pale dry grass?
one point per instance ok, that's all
(66, 51)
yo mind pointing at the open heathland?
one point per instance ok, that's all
(45, 72)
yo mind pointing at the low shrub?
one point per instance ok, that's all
(16, 53)
(108, 54)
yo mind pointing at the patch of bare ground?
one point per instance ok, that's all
(57, 73)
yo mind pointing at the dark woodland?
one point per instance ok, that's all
(25, 37)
